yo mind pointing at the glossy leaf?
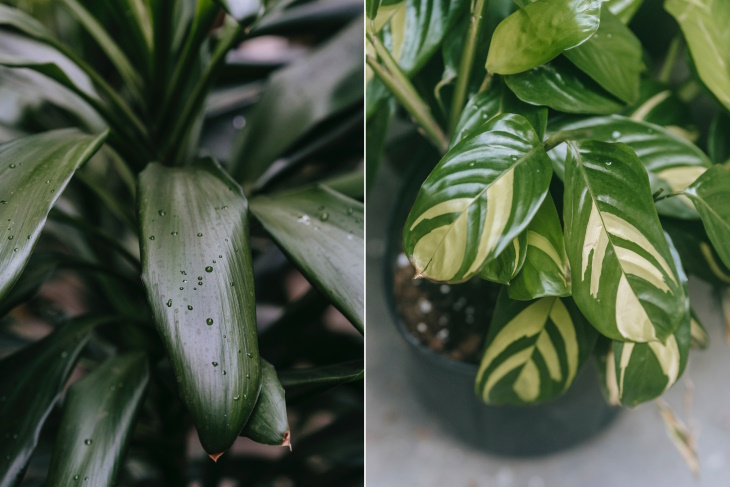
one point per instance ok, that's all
(704, 25)
(486, 105)
(671, 161)
(659, 105)
(539, 32)
(694, 247)
(480, 196)
(563, 87)
(196, 267)
(623, 275)
(268, 423)
(290, 108)
(38, 269)
(533, 351)
(710, 194)
(644, 371)
(546, 271)
(323, 377)
(624, 10)
(504, 267)
(332, 226)
(34, 171)
(98, 420)
(371, 8)
(612, 57)
(31, 381)
(718, 139)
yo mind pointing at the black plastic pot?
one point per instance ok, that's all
(446, 386)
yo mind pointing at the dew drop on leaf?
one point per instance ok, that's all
(169, 303)
(190, 307)
(215, 364)
(209, 269)
(209, 321)
(88, 441)
(12, 165)
(236, 397)
(200, 234)
(152, 237)
(615, 134)
(324, 216)
(249, 354)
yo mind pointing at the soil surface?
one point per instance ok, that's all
(451, 319)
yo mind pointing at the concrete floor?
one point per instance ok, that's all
(407, 447)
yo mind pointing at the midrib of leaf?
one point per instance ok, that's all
(476, 197)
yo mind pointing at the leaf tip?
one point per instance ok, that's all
(287, 440)
(215, 456)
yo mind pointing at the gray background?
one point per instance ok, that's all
(406, 446)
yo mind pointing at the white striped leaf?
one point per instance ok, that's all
(546, 271)
(698, 257)
(659, 105)
(486, 105)
(534, 350)
(508, 264)
(710, 194)
(623, 276)
(672, 162)
(697, 332)
(480, 196)
(639, 372)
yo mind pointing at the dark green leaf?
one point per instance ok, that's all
(546, 271)
(534, 350)
(623, 276)
(97, 423)
(39, 268)
(504, 267)
(698, 256)
(371, 8)
(30, 382)
(539, 32)
(612, 57)
(196, 263)
(322, 232)
(563, 87)
(268, 423)
(34, 171)
(710, 194)
(482, 195)
(290, 108)
(718, 139)
(323, 377)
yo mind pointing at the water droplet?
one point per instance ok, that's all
(209, 321)
(181, 288)
(608, 163)
(12, 165)
(10, 237)
(190, 307)
(185, 280)
(152, 237)
(200, 283)
(183, 273)
(239, 122)
(76, 477)
(169, 303)
(162, 213)
(248, 376)
(249, 354)
(220, 256)
(3, 202)
(214, 261)
(86, 479)
(208, 269)
(471, 164)
(200, 278)
(174, 234)
(324, 216)
(615, 134)
(88, 441)
(236, 397)
(303, 219)
(215, 364)
(200, 234)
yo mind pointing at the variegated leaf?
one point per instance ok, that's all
(546, 271)
(698, 335)
(710, 194)
(480, 196)
(659, 105)
(508, 264)
(486, 105)
(698, 257)
(623, 277)
(673, 162)
(534, 350)
(644, 371)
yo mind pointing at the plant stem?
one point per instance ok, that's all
(395, 80)
(467, 60)
(666, 72)
(559, 137)
(668, 195)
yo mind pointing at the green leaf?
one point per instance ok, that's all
(718, 139)
(486, 105)
(289, 108)
(659, 105)
(98, 420)
(268, 423)
(504, 267)
(623, 277)
(671, 161)
(624, 10)
(31, 381)
(546, 271)
(563, 87)
(34, 171)
(710, 194)
(322, 233)
(704, 25)
(638, 372)
(539, 32)
(320, 378)
(38, 270)
(371, 8)
(480, 196)
(612, 57)
(533, 351)
(196, 263)
(698, 335)
(694, 247)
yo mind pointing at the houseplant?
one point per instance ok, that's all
(116, 159)
(569, 173)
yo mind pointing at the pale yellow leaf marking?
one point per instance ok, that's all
(499, 207)
(386, 12)
(516, 244)
(564, 323)
(594, 234)
(527, 385)
(690, 135)
(505, 368)
(398, 29)
(698, 334)
(550, 355)
(678, 178)
(636, 265)
(456, 205)
(631, 319)
(623, 229)
(626, 351)
(667, 355)
(442, 249)
(712, 263)
(542, 243)
(649, 105)
(611, 383)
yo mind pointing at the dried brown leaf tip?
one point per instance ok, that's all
(287, 440)
(215, 456)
